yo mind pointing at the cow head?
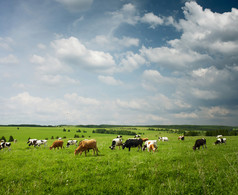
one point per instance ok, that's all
(123, 146)
(112, 147)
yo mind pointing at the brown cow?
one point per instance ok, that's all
(57, 144)
(85, 146)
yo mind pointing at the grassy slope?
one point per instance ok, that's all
(174, 169)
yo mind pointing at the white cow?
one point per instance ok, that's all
(219, 136)
(163, 139)
(116, 142)
(150, 145)
(71, 142)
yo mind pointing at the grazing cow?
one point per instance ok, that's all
(133, 143)
(181, 137)
(150, 145)
(163, 139)
(119, 136)
(32, 142)
(200, 142)
(219, 136)
(116, 142)
(71, 142)
(57, 144)
(5, 145)
(40, 142)
(137, 136)
(85, 146)
(220, 141)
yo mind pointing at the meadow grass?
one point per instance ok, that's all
(174, 169)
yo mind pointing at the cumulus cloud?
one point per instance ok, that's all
(49, 65)
(130, 62)
(76, 5)
(173, 58)
(109, 80)
(72, 51)
(207, 32)
(152, 19)
(127, 14)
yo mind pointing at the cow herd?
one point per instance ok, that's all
(137, 141)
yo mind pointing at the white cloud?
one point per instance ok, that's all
(172, 57)
(79, 100)
(204, 94)
(41, 46)
(131, 62)
(58, 80)
(10, 59)
(127, 14)
(49, 65)
(76, 5)
(186, 115)
(152, 19)
(214, 111)
(5, 43)
(37, 59)
(71, 51)
(109, 80)
(208, 32)
(111, 43)
(136, 104)
(153, 80)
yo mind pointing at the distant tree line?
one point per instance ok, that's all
(119, 132)
(225, 132)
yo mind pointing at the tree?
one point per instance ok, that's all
(11, 139)
(3, 138)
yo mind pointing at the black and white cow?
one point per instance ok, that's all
(116, 142)
(137, 136)
(220, 141)
(133, 143)
(5, 145)
(72, 142)
(119, 136)
(199, 142)
(32, 142)
(40, 142)
(181, 137)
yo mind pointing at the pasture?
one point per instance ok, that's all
(173, 169)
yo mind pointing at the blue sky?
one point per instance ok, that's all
(126, 62)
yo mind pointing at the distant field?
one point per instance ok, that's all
(174, 169)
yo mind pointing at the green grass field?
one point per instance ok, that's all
(174, 169)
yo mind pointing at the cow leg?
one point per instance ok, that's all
(129, 149)
(85, 152)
